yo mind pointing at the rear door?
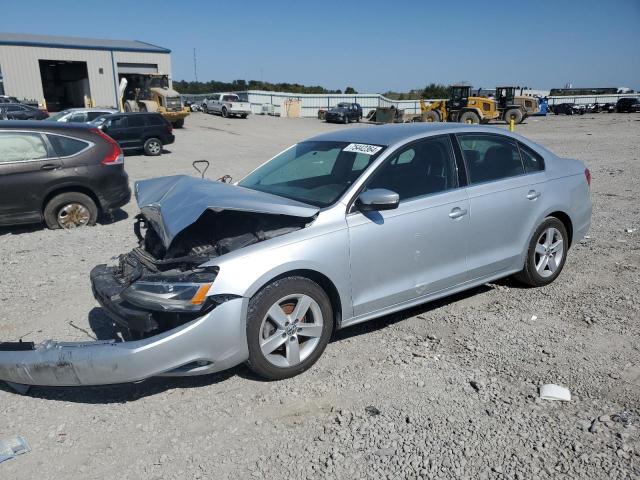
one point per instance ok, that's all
(137, 130)
(500, 211)
(27, 166)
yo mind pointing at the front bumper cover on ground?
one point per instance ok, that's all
(211, 343)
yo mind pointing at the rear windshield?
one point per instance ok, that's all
(230, 98)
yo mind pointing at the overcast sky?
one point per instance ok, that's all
(373, 46)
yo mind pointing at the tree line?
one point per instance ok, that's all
(189, 87)
(432, 90)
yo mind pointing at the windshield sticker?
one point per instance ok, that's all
(362, 148)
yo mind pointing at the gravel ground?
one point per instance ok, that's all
(446, 390)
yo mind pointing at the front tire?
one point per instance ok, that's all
(70, 210)
(513, 114)
(153, 147)
(470, 118)
(289, 324)
(546, 254)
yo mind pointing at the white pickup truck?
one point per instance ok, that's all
(227, 105)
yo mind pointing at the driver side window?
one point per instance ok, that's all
(424, 167)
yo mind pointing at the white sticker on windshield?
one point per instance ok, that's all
(362, 148)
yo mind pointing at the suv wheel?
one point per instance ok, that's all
(153, 147)
(225, 113)
(289, 323)
(70, 210)
(546, 254)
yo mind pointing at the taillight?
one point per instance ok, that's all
(587, 175)
(114, 156)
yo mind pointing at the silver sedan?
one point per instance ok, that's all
(339, 229)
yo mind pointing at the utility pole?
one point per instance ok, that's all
(195, 65)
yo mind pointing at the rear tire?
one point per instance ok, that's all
(244, 116)
(70, 210)
(283, 344)
(514, 114)
(470, 118)
(153, 147)
(546, 254)
(178, 123)
(225, 113)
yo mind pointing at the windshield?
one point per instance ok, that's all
(57, 116)
(159, 82)
(317, 173)
(343, 105)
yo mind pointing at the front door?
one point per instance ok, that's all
(420, 247)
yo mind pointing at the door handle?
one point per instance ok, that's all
(457, 212)
(532, 195)
(49, 166)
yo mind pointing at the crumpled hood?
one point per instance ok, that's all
(173, 203)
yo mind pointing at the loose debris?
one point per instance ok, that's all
(12, 447)
(555, 392)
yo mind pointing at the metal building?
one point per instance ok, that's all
(64, 72)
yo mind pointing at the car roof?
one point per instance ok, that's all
(40, 125)
(94, 109)
(390, 134)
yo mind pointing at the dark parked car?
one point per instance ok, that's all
(66, 174)
(344, 113)
(627, 105)
(568, 109)
(137, 130)
(19, 111)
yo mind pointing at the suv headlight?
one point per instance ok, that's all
(179, 293)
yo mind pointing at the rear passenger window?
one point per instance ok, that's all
(93, 115)
(66, 146)
(422, 168)
(118, 122)
(137, 121)
(532, 161)
(155, 120)
(490, 157)
(21, 147)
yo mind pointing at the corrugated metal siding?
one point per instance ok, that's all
(311, 103)
(21, 69)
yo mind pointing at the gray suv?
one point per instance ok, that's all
(64, 174)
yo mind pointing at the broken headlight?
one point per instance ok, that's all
(180, 293)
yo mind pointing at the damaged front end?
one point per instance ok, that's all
(158, 294)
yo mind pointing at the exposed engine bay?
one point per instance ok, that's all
(215, 233)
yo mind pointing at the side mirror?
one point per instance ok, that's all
(377, 199)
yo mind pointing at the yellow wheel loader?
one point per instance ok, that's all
(514, 107)
(151, 93)
(460, 107)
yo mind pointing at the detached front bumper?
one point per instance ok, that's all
(211, 343)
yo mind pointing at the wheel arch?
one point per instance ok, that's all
(71, 189)
(566, 221)
(321, 279)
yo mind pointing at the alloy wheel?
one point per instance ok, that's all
(549, 252)
(291, 330)
(155, 147)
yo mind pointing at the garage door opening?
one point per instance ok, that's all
(65, 84)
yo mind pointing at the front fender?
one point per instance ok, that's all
(247, 272)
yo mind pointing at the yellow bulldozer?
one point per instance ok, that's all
(460, 107)
(151, 93)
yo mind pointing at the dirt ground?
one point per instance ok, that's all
(446, 390)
